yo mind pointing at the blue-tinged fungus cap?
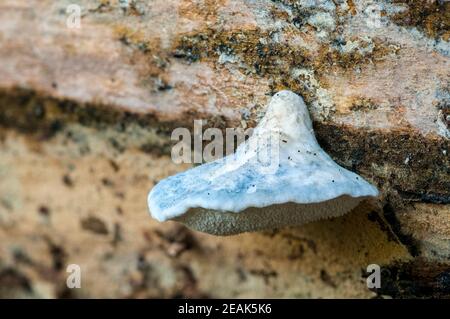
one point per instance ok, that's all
(279, 177)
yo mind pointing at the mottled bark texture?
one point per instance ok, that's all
(85, 122)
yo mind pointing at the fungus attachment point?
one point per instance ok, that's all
(279, 177)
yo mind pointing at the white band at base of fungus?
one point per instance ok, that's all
(279, 177)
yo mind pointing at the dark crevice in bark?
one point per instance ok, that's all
(408, 241)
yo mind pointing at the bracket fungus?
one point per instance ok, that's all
(279, 177)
